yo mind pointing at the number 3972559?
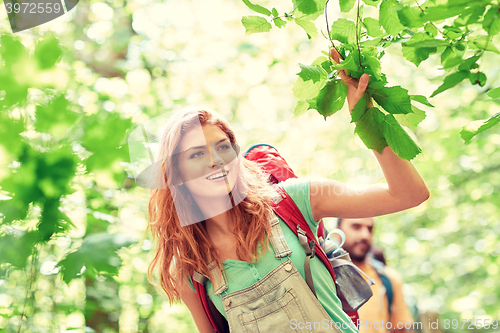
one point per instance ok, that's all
(471, 324)
(33, 8)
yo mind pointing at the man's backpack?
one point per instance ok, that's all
(379, 268)
(272, 163)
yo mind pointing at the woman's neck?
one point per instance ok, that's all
(218, 226)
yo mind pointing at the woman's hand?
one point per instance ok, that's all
(355, 88)
(404, 189)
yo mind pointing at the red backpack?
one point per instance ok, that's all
(272, 163)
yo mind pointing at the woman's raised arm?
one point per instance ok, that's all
(404, 189)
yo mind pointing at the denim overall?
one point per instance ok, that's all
(269, 305)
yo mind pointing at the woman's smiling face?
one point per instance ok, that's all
(207, 162)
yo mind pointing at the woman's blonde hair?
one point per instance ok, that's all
(182, 249)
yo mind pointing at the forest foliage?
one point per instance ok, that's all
(73, 255)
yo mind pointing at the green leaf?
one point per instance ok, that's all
(452, 32)
(431, 29)
(359, 109)
(257, 8)
(300, 108)
(308, 26)
(314, 73)
(491, 22)
(331, 98)
(11, 140)
(370, 129)
(372, 66)
(373, 3)
(346, 5)
(389, 17)
(373, 27)
(254, 24)
(105, 145)
(348, 63)
(421, 99)
(305, 90)
(494, 93)
(469, 63)
(478, 78)
(426, 42)
(418, 54)
(478, 126)
(451, 57)
(441, 12)
(483, 43)
(280, 23)
(397, 138)
(16, 249)
(411, 120)
(344, 31)
(393, 99)
(97, 254)
(451, 81)
(324, 62)
(309, 6)
(11, 49)
(410, 17)
(56, 117)
(48, 52)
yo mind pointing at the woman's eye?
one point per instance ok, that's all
(224, 147)
(198, 154)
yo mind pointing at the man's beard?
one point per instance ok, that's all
(359, 257)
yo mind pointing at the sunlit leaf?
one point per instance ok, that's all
(254, 24)
(478, 126)
(48, 51)
(308, 26)
(421, 99)
(346, 5)
(314, 73)
(494, 93)
(389, 18)
(331, 98)
(257, 8)
(97, 254)
(343, 30)
(373, 27)
(411, 120)
(397, 138)
(451, 81)
(393, 99)
(370, 129)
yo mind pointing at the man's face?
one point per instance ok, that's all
(359, 234)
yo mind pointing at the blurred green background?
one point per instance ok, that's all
(73, 248)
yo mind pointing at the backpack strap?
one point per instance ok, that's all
(380, 269)
(310, 251)
(217, 321)
(288, 211)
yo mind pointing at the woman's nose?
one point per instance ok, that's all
(215, 159)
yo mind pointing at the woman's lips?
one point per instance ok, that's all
(219, 175)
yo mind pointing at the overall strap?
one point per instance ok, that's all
(277, 239)
(288, 211)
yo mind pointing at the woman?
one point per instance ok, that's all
(215, 218)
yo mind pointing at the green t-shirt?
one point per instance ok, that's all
(241, 274)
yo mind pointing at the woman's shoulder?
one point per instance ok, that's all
(300, 192)
(296, 185)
